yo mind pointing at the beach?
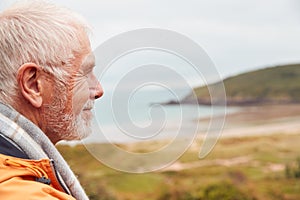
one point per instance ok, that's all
(263, 120)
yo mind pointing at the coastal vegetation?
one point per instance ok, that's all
(247, 168)
(272, 85)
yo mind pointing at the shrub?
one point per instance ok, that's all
(293, 171)
(224, 191)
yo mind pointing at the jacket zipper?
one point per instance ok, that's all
(58, 178)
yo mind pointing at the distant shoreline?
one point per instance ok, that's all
(262, 120)
(233, 102)
(250, 121)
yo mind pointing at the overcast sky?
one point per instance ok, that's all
(238, 35)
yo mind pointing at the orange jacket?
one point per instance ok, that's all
(29, 179)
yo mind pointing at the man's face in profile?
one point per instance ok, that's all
(69, 114)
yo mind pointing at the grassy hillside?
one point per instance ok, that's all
(279, 84)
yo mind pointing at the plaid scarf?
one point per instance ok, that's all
(37, 146)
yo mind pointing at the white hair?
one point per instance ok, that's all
(38, 32)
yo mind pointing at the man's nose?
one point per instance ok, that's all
(96, 91)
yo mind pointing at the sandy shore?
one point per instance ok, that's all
(263, 120)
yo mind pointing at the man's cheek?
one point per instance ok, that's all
(80, 97)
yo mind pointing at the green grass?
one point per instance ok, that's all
(250, 180)
(136, 183)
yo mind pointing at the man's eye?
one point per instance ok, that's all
(88, 74)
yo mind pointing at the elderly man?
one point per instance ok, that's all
(47, 90)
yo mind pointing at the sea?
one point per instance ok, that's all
(143, 115)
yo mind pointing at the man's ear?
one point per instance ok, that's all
(28, 78)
